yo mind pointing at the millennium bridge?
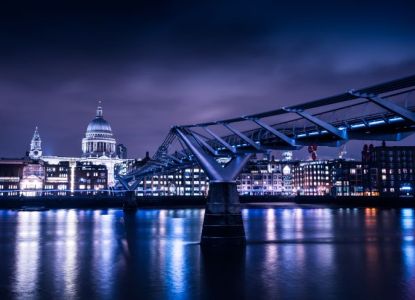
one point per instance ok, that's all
(222, 148)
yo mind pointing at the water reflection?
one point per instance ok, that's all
(27, 253)
(105, 244)
(163, 247)
(69, 259)
(293, 252)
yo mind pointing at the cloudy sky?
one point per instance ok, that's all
(163, 64)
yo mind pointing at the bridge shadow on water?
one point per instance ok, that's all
(179, 269)
(224, 272)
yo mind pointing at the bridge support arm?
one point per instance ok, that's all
(202, 141)
(207, 162)
(275, 132)
(388, 105)
(242, 136)
(220, 140)
(341, 134)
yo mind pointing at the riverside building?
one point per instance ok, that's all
(267, 177)
(314, 178)
(185, 182)
(388, 171)
(93, 172)
(337, 177)
(259, 177)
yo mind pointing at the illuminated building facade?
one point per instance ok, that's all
(58, 178)
(337, 177)
(259, 177)
(187, 182)
(11, 172)
(90, 178)
(266, 177)
(33, 178)
(314, 178)
(389, 171)
(71, 177)
(348, 178)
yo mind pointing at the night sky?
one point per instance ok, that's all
(163, 64)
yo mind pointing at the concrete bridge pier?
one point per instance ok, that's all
(130, 201)
(223, 223)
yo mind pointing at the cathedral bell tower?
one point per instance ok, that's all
(35, 146)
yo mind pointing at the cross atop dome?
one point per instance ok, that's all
(99, 110)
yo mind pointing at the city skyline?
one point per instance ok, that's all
(162, 65)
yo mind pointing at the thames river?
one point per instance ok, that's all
(292, 252)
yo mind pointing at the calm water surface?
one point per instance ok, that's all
(292, 253)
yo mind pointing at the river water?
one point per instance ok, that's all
(293, 252)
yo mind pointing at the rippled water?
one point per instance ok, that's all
(292, 253)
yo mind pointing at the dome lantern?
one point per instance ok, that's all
(99, 110)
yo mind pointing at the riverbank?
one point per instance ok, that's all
(199, 201)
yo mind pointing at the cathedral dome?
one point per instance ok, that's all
(99, 140)
(99, 125)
